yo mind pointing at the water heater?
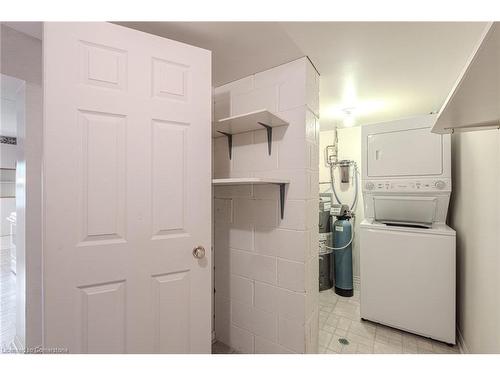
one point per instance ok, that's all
(325, 241)
(342, 235)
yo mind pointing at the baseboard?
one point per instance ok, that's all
(462, 345)
(356, 282)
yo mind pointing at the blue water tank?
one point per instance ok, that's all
(342, 230)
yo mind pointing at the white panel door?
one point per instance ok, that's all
(127, 191)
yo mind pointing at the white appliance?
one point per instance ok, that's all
(407, 252)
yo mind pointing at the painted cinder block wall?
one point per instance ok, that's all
(266, 268)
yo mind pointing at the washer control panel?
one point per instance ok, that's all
(425, 185)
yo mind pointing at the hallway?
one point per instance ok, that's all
(7, 300)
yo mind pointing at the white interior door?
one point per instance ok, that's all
(127, 191)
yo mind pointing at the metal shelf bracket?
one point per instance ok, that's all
(269, 130)
(229, 143)
(282, 199)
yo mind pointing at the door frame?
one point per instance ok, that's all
(22, 59)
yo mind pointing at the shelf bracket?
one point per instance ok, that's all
(282, 199)
(269, 136)
(229, 143)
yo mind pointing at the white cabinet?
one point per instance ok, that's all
(474, 102)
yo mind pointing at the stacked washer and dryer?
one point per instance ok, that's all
(407, 252)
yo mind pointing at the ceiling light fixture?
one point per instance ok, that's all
(349, 111)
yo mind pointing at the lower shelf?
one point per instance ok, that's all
(256, 181)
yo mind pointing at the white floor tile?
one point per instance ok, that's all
(387, 349)
(332, 320)
(328, 328)
(341, 332)
(355, 338)
(340, 318)
(324, 338)
(335, 345)
(364, 349)
(344, 323)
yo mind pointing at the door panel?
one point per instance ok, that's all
(127, 191)
(169, 177)
(103, 176)
(103, 317)
(171, 312)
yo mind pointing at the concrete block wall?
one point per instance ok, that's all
(266, 268)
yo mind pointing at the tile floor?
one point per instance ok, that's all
(339, 318)
(7, 301)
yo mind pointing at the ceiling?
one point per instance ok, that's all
(34, 29)
(238, 49)
(370, 71)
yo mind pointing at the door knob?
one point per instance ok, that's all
(199, 252)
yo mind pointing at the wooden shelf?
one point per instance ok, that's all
(257, 120)
(247, 122)
(256, 181)
(473, 104)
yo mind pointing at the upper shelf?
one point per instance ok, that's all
(248, 181)
(247, 122)
(473, 104)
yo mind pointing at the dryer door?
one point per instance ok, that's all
(403, 153)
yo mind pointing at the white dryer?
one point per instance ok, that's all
(407, 252)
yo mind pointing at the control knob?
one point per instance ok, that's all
(440, 185)
(369, 186)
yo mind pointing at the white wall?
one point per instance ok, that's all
(349, 145)
(8, 156)
(8, 125)
(8, 153)
(474, 213)
(21, 57)
(7, 205)
(266, 268)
